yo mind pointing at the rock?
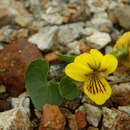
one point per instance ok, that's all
(23, 21)
(13, 8)
(51, 57)
(98, 40)
(70, 32)
(72, 104)
(92, 128)
(84, 47)
(72, 122)
(97, 6)
(53, 18)
(125, 109)
(14, 58)
(23, 103)
(45, 38)
(115, 120)
(94, 114)
(101, 22)
(2, 89)
(14, 119)
(73, 48)
(52, 118)
(56, 71)
(80, 119)
(4, 105)
(121, 14)
(5, 33)
(121, 94)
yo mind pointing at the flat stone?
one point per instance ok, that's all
(98, 40)
(14, 58)
(14, 119)
(45, 38)
(52, 118)
(115, 120)
(70, 32)
(94, 114)
(23, 21)
(121, 94)
(125, 109)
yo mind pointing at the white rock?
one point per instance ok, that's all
(45, 38)
(74, 48)
(52, 18)
(22, 103)
(94, 114)
(70, 32)
(98, 40)
(14, 119)
(23, 21)
(96, 5)
(125, 109)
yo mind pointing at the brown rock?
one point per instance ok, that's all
(92, 128)
(15, 119)
(121, 94)
(52, 118)
(14, 58)
(84, 47)
(115, 120)
(80, 119)
(51, 57)
(72, 122)
(4, 105)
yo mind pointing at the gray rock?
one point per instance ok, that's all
(109, 119)
(45, 38)
(74, 48)
(115, 120)
(23, 21)
(23, 103)
(14, 119)
(70, 32)
(53, 18)
(94, 114)
(125, 109)
(122, 15)
(98, 40)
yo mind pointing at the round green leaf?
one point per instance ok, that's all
(68, 88)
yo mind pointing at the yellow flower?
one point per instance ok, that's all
(124, 42)
(88, 68)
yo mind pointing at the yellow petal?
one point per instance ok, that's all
(85, 59)
(97, 57)
(97, 89)
(93, 59)
(123, 41)
(109, 64)
(77, 71)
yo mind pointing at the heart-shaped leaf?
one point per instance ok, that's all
(68, 88)
(40, 90)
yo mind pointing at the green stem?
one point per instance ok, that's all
(119, 53)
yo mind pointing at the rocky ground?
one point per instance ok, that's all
(31, 29)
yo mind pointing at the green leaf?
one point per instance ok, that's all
(66, 58)
(40, 90)
(68, 88)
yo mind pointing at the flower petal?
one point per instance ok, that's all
(85, 59)
(77, 71)
(123, 41)
(97, 57)
(109, 64)
(97, 89)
